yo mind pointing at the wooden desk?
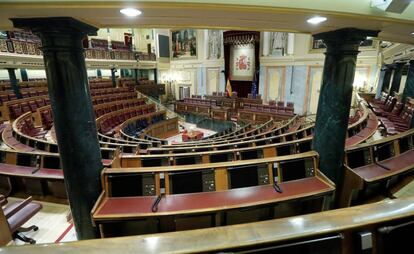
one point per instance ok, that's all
(138, 207)
(42, 182)
(365, 133)
(362, 173)
(209, 208)
(397, 165)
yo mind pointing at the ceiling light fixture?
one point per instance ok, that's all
(316, 20)
(412, 33)
(130, 12)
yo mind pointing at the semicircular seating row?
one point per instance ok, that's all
(268, 134)
(250, 174)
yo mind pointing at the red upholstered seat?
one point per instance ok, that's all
(99, 112)
(33, 106)
(281, 104)
(47, 119)
(25, 107)
(15, 111)
(4, 98)
(12, 97)
(40, 103)
(19, 213)
(22, 216)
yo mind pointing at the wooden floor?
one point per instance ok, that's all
(188, 126)
(406, 191)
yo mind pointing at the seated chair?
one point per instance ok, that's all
(19, 213)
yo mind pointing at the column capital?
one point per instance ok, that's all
(384, 68)
(57, 33)
(344, 40)
(390, 66)
(399, 65)
(55, 25)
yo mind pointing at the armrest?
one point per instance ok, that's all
(10, 212)
(3, 200)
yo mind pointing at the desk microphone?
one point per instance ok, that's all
(277, 187)
(37, 165)
(154, 207)
(382, 166)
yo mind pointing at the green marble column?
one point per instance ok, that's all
(380, 83)
(113, 77)
(409, 87)
(74, 118)
(23, 73)
(156, 76)
(396, 78)
(387, 78)
(335, 97)
(99, 73)
(13, 83)
(136, 76)
(409, 83)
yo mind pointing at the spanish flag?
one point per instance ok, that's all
(228, 88)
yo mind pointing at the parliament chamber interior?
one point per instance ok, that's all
(206, 126)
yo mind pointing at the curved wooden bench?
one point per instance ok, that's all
(254, 133)
(223, 199)
(375, 166)
(40, 181)
(38, 173)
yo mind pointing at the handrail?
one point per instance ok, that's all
(170, 113)
(230, 237)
